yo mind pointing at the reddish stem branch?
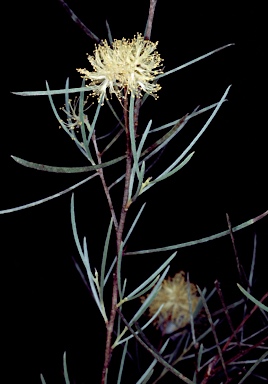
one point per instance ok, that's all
(147, 36)
(211, 368)
(149, 25)
(240, 269)
(79, 22)
(119, 238)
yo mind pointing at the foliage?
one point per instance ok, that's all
(196, 344)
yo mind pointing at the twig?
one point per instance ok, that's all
(153, 351)
(211, 371)
(240, 269)
(119, 237)
(148, 31)
(243, 353)
(220, 351)
(219, 291)
(79, 22)
(147, 36)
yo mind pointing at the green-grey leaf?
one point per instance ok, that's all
(203, 240)
(193, 61)
(55, 92)
(65, 371)
(251, 298)
(50, 168)
(34, 203)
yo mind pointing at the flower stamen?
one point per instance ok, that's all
(131, 64)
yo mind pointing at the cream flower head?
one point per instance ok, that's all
(127, 64)
(176, 296)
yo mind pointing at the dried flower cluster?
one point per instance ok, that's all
(130, 65)
(176, 295)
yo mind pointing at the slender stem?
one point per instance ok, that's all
(219, 291)
(119, 238)
(211, 368)
(79, 22)
(149, 25)
(240, 269)
(147, 36)
(106, 190)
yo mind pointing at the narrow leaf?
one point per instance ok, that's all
(251, 298)
(65, 371)
(50, 92)
(122, 363)
(104, 258)
(200, 241)
(34, 203)
(50, 168)
(193, 61)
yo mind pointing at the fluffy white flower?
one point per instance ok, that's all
(130, 65)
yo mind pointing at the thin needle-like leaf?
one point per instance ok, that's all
(253, 367)
(134, 224)
(110, 271)
(143, 291)
(153, 276)
(156, 354)
(143, 327)
(50, 92)
(143, 138)
(34, 203)
(167, 173)
(189, 147)
(132, 135)
(149, 299)
(122, 363)
(149, 369)
(250, 297)
(104, 258)
(214, 332)
(92, 281)
(200, 241)
(73, 222)
(93, 124)
(82, 124)
(193, 61)
(65, 371)
(51, 168)
(194, 114)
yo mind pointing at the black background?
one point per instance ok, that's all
(47, 309)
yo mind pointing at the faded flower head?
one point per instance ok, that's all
(127, 64)
(176, 295)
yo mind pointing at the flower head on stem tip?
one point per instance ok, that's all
(175, 295)
(127, 64)
(73, 120)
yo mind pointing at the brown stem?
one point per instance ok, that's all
(240, 269)
(79, 22)
(244, 352)
(211, 368)
(147, 36)
(217, 285)
(149, 25)
(119, 238)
